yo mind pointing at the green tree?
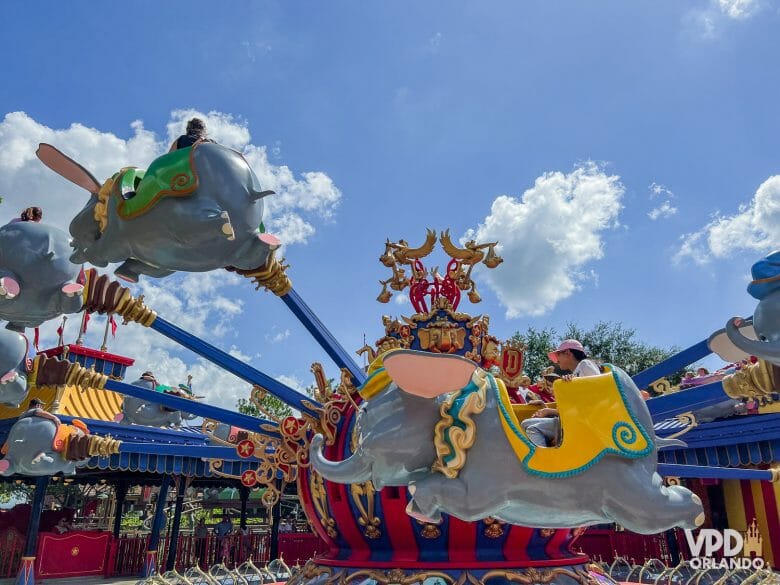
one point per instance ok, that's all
(271, 404)
(538, 342)
(607, 342)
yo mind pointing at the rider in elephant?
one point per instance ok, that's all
(544, 426)
(196, 132)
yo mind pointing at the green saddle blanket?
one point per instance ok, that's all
(171, 175)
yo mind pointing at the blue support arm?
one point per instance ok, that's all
(672, 364)
(670, 405)
(703, 472)
(324, 337)
(244, 421)
(234, 366)
(200, 452)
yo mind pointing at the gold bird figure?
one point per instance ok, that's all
(492, 259)
(385, 295)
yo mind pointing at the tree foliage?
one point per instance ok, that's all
(606, 342)
(273, 405)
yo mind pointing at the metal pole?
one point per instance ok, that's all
(121, 494)
(158, 523)
(173, 546)
(26, 574)
(276, 516)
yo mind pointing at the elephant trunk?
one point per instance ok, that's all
(354, 469)
(767, 350)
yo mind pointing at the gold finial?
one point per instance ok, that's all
(753, 381)
(272, 276)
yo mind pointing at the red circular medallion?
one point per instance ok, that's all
(249, 478)
(245, 448)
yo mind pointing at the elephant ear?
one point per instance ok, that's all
(720, 344)
(428, 375)
(66, 167)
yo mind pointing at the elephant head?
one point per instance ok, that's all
(141, 412)
(13, 371)
(38, 282)
(29, 449)
(766, 319)
(442, 426)
(192, 211)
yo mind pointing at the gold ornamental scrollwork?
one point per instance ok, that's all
(397, 577)
(753, 381)
(363, 495)
(320, 500)
(493, 528)
(429, 531)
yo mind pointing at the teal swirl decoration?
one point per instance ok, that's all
(457, 422)
(623, 434)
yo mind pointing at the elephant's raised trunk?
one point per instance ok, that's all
(767, 350)
(354, 469)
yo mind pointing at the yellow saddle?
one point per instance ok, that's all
(596, 421)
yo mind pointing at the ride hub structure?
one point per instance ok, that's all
(416, 469)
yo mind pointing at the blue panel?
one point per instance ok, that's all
(670, 405)
(490, 549)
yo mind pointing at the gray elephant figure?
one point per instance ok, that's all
(37, 279)
(395, 427)
(13, 370)
(140, 412)
(205, 217)
(765, 287)
(30, 449)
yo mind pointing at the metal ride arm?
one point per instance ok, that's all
(672, 364)
(103, 296)
(670, 405)
(704, 472)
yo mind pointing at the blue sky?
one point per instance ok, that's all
(422, 115)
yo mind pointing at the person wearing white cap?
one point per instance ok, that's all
(544, 426)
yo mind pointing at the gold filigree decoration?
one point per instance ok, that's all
(753, 381)
(429, 531)
(320, 500)
(534, 576)
(363, 495)
(663, 386)
(493, 528)
(672, 480)
(272, 276)
(451, 441)
(397, 577)
(100, 211)
(689, 420)
(256, 398)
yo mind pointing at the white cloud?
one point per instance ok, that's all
(203, 304)
(738, 9)
(400, 298)
(707, 21)
(755, 227)
(548, 236)
(666, 208)
(434, 43)
(278, 336)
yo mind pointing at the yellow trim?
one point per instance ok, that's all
(595, 421)
(763, 525)
(735, 505)
(90, 403)
(378, 378)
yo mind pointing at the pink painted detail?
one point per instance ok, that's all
(119, 416)
(270, 239)
(73, 288)
(8, 376)
(4, 465)
(125, 278)
(10, 286)
(426, 375)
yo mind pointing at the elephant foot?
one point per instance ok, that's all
(270, 240)
(9, 288)
(72, 289)
(227, 227)
(414, 512)
(8, 377)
